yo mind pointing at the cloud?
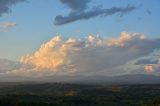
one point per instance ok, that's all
(129, 53)
(148, 12)
(5, 5)
(90, 56)
(76, 5)
(8, 65)
(152, 62)
(149, 68)
(7, 24)
(149, 63)
(152, 68)
(78, 11)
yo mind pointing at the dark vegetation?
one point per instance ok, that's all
(63, 94)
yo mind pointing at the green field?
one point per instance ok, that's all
(63, 94)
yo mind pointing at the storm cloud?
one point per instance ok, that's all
(5, 5)
(76, 5)
(79, 11)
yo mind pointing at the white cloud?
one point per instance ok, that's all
(52, 55)
(7, 24)
(130, 53)
(91, 56)
(149, 68)
(152, 68)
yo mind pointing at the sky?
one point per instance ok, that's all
(73, 35)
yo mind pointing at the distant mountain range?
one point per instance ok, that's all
(123, 79)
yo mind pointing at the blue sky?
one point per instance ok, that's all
(35, 23)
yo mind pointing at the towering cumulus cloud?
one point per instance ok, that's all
(52, 55)
(5, 5)
(93, 56)
(79, 11)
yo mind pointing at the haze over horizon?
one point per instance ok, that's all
(78, 38)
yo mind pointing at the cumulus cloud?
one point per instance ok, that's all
(49, 56)
(152, 68)
(129, 53)
(149, 68)
(5, 5)
(149, 63)
(90, 56)
(79, 11)
(153, 63)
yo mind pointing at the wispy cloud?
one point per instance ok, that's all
(149, 12)
(4, 26)
(7, 24)
(8, 65)
(79, 11)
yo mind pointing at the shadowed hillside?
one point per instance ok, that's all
(65, 94)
